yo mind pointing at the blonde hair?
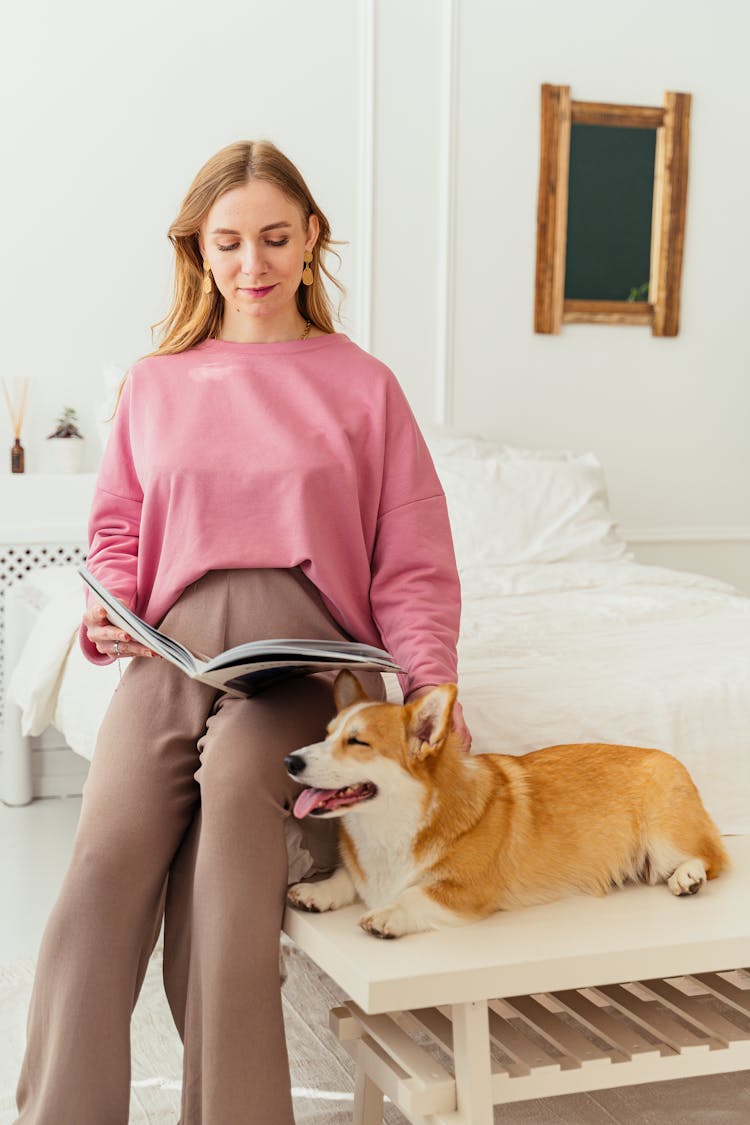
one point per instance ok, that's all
(194, 316)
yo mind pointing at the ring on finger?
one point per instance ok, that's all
(116, 648)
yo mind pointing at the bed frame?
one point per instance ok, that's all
(524, 1004)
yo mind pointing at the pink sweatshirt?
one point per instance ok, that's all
(302, 452)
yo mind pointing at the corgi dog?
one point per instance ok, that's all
(431, 836)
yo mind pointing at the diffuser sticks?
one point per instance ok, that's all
(16, 410)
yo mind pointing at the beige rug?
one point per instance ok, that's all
(322, 1071)
(322, 1074)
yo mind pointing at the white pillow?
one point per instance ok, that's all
(446, 443)
(443, 442)
(509, 505)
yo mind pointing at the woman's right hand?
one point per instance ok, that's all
(103, 634)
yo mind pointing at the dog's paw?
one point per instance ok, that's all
(311, 896)
(688, 878)
(390, 922)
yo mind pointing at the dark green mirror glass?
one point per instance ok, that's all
(610, 201)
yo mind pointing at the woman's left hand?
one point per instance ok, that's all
(458, 726)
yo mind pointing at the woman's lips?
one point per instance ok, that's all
(258, 292)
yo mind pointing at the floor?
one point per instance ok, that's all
(35, 843)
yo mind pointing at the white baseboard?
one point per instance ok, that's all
(735, 534)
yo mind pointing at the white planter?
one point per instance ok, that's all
(63, 455)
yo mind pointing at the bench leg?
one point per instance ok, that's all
(471, 1058)
(368, 1099)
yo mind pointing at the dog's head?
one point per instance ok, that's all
(369, 746)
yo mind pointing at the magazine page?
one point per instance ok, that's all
(298, 650)
(248, 680)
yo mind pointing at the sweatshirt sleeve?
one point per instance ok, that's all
(114, 521)
(415, 592)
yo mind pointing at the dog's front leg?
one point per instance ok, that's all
(412, 911)
(328, 894)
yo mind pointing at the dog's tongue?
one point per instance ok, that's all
(309, 799)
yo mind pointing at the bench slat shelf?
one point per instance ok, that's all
(578, 1065)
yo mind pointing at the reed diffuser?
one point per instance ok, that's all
(16, 410)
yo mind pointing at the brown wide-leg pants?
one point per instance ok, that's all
(182, 818)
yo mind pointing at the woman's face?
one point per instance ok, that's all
(254, 240)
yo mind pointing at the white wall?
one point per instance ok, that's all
(668, 418)
(114, 110)
(109, 112)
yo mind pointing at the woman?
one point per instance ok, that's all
(264, 477)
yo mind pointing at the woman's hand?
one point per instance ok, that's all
(458, 726)
(103, 634)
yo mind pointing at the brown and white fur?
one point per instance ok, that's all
(440, 837)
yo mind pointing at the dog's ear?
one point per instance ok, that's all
(429, 721)
(347, 690)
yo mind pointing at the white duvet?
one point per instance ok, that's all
(612, 652)
(549, 653)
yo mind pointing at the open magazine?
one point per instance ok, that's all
(248, 668)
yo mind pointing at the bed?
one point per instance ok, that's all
(565, 637)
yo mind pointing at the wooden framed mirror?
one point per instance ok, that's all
(611, 212)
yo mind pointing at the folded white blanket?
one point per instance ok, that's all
(35, 680)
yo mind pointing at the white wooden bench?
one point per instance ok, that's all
(541, 1001)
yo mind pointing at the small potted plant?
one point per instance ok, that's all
(64, 447)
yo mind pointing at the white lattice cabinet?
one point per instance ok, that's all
(43, 522)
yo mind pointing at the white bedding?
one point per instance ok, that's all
(549, 653)
(75, 701)
(612, 652)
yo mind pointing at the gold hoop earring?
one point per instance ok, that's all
(207, 286)
(307, 273)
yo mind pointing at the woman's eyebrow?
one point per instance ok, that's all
(271, 226)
